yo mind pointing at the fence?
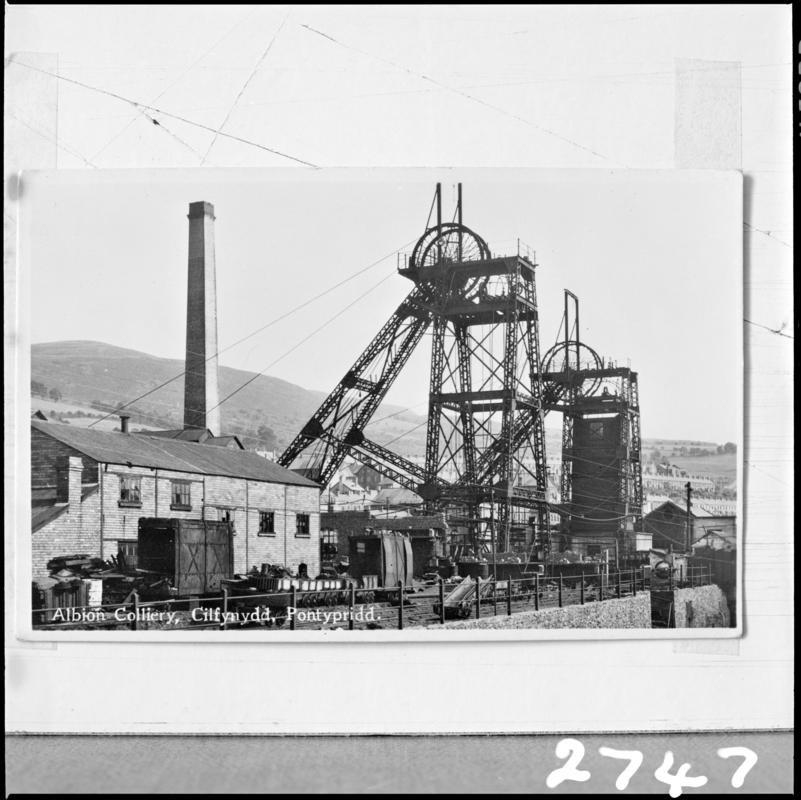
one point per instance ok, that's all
(352, 607)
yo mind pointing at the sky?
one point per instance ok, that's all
(654, 256)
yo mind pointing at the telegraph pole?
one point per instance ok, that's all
(688, 542)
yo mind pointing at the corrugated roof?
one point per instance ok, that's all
(225, 440)
(666, 504)
(696, 510)
(700, 510)
(200, 435)
(112, 447)
(184, 434)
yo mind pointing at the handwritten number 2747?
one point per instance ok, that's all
(572, 750)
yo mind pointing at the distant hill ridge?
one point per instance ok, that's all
(90, 372)
(269, 410)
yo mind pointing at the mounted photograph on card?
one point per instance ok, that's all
(362, 405)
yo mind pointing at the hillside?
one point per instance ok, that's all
(718, 467)
(93, 377)
(80, 381)
(715, 461)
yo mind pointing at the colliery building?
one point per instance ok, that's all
(89, 489)
(668, 523)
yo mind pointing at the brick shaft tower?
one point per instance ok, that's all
(201, 393)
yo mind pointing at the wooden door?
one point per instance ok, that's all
(218, 555)
(190, 560)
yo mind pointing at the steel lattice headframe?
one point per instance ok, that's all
(487, 392)
(485, 415)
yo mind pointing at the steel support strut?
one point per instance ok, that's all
(348, 409)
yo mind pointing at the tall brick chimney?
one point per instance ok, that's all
(201, 393)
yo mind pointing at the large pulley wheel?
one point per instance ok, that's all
(562, 361)
(451, 243)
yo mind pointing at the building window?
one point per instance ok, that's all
(302, 525)
(130, 491)
(593, 549)
(328, 544)
(266, 523)
(180, 497)
(127, 553)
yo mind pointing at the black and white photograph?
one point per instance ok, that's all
(502, 403)
(399, 398)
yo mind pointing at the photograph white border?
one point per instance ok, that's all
(25, 630)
